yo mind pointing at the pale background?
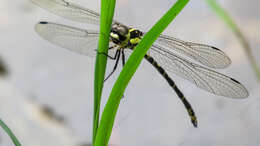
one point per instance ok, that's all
(150, 114)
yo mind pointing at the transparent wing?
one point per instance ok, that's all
(75, 39)
(204, 78)
(205, 54)
(69, 10)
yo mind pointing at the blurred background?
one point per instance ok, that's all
(46, 92)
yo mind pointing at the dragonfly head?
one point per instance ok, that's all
(119, 33)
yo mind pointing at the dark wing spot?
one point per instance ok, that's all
(235, 80)
(215, 48)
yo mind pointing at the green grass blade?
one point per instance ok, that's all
(232, 25)
(10, 133)
(110, 110)
(107, 12)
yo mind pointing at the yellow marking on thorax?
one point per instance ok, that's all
(131, 29)
(135, 40)
(125, 43)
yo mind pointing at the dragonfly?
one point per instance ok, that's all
(166, 54)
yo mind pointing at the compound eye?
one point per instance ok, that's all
(115, 25)
(122, 30)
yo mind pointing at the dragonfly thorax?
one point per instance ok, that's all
(124, 36)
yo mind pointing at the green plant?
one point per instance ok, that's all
(101, 133)
(10, 133)
(107, 12)
(234, 27)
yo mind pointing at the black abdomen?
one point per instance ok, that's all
(175, 88)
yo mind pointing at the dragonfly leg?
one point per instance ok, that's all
(123, 57)
(110, 57)
(117, 56)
